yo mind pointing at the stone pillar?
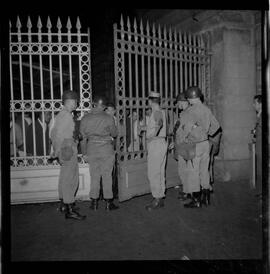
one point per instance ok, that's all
(233, 85)
(238, 86)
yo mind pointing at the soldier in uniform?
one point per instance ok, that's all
(65, 148)
(97, 129)
(193, 147)
(157, 151)
(183, 104)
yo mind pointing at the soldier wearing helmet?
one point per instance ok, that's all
(182, 104)
(97, 129)
(65, 148)
(192, 143)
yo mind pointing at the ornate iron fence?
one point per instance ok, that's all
(43, 63)
(149, 58)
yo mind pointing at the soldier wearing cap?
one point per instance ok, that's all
(97, 129)
(65, 149)
(157, 151)
(197, 124)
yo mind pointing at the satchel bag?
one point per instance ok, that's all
(186, 150)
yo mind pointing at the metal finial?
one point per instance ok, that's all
(128, 23)
(59, 25)
(18, 23)
(154, 29)
(49, 24)
(69, 26)
(135, 24)
(122, 22)
(147, 28)
(78, 24)
(141, 26)
(29, 24)
(39, 23)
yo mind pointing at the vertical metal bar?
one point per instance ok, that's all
(154, 58)
(143, 82)
(203, 67)
(171, 81)
(22, 98)
(176, 65)
(90, 69)
(200, 61)
(190, 59)
(70, 71)
(42, 89)
(136, 81)
(180, 63)
(59, 35)
(185, 62)
(12, 111)
(160, 62)
(194, 61)
(32, 98)
(165, 63)
(148, 62)
(61, 74)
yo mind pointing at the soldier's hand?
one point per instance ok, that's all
(85, 158)
(171, 146)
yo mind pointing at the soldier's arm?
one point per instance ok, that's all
(84, 137)
(58, 135)
(113, 128)
(214, 125)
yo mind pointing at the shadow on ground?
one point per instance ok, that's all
(228, 229)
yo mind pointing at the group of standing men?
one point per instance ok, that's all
(98, 129)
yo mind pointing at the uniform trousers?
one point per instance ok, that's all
(69, 178)
(156, 160)
(195, 174)
(101, 166)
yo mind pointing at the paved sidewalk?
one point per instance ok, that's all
(229, 229)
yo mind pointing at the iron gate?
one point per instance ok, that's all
(149, 58)
(44, 61)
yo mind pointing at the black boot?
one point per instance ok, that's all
(62, 206)
(195, 202)
(94, 204)
(155, 204)
(205, 200)
(71, 214)
(110, 205)
(75, 207)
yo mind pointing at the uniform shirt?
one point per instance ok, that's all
(197, 122)
(98, 128)
(157, 119)
(63, 128)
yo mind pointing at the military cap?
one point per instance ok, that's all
(70, 94)
(181, 97)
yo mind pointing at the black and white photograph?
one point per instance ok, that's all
(135, 136)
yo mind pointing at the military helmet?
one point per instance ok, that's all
(193, 92)
(70, 94)
(181, 97)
